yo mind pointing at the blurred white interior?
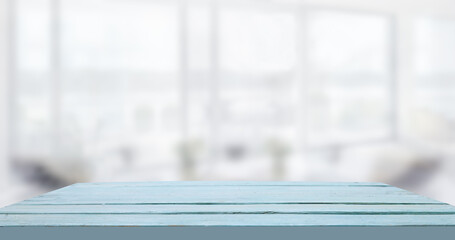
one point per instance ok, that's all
(311, 90)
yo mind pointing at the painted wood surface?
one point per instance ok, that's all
(229, 204)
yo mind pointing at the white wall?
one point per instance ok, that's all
(3, 96)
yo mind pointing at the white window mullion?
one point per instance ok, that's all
(7, 11)
(55, 75)
(395, 89)
(183, 75)
(214, 81)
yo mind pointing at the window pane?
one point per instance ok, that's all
(435, 48)
(120, 83)
(432, 92)
(257, 42)
(349, 86)
(348, 43)
(259, 94)
(32, 125)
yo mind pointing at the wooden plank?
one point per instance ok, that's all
(227, 190)
(228, 204)
(230, 183)
(228, 194)
(223, 220)
(230, 209)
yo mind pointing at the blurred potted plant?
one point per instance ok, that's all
(189, 152)
(278, 151)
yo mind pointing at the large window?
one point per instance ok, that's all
(138, 84)
(258, 92)
(32, 96)
(119, 78)
(431, 112)
(350, 79)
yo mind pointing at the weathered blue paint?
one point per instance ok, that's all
(228, 204)
(224, 194)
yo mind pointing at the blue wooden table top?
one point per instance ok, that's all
(228, 204)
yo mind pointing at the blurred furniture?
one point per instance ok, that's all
(405, 166)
